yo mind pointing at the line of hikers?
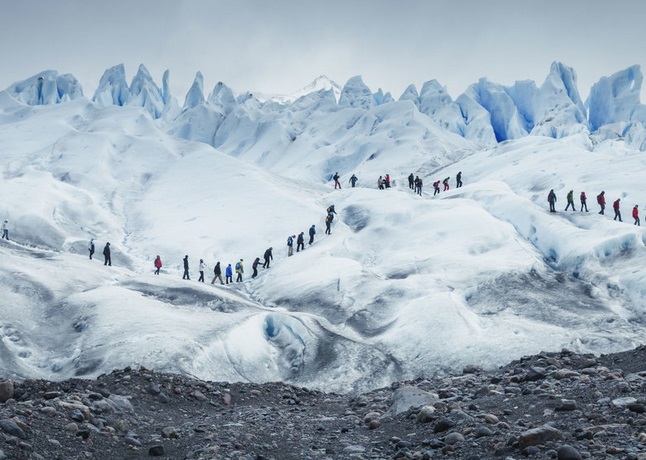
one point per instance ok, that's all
(601, 201)
(415, 183)
(239, 265)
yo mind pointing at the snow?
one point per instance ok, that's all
(405, 285)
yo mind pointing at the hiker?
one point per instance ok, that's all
(328, 223)
(458, 180)
(5, 230)
(290, 245)
(446, 183)
(185, 275)
(331, 211)
(300, 241)
(353, 180)
(336, 180)
(551, 198)
(106, 255)
(201, 269)
(636, 216)
(267, 256)
(615, 206)
(584, 202)
(436, 186)
(387, 181)
(239, 271)
(158, 265)
(254, 266)
(228, 274)
(411, 181)
(217, 273)
(380, 183)
(601, 199)
(570, 200)
(418, 186)
(312, 233)
(90, 247)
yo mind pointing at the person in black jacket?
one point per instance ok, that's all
(106, 255)
(255, 267)
(300, 241)
(185, 276)
(217, 272)
(268, 256)
(458, 180)
(411, 181)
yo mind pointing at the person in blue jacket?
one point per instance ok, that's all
(312, 233)
(228, 272)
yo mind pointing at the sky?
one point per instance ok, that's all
(279, 46)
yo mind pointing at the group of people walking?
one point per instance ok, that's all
(238, 268)
(107, 255)
(601, 201)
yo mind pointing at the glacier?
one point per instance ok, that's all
(405, 286)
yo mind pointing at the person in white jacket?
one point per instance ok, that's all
(202, 268)
(5, 230)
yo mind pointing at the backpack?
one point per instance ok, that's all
(237, 265)
(290, 241)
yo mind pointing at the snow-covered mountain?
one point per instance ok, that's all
(404, 286)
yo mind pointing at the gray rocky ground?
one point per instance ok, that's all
(552, 405)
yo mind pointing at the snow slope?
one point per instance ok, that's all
(404, 286)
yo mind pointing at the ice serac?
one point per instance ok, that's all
(46, 88)
(553, 110)
(195, 95)
(410, 94)
(616, 99)
(113, 88)
(145, 93)
(477, 121)
(356, 94)
(223, 97)
(505, 120)
(435, 102)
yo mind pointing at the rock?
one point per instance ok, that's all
(453, 438)
(371, 416)
(471, 369)
(425, 414)
(638, 408)
(568, 453)
(567, 405)
(130, 441)
(539, 435)
(408, 397)
(197, 394)
(491, 419)
(350, 450)
(169, 432)
(443, 424)
(535, 373)
(482, 432)
(226, 398)
(156, 451)
(623, 402)
(12, 428)
(6, 390)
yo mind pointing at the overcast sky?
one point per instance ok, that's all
(279, 46)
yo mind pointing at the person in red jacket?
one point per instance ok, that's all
(601, 199)
(636, 216)
(584, 202)
(615, 206)
(158, 265)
